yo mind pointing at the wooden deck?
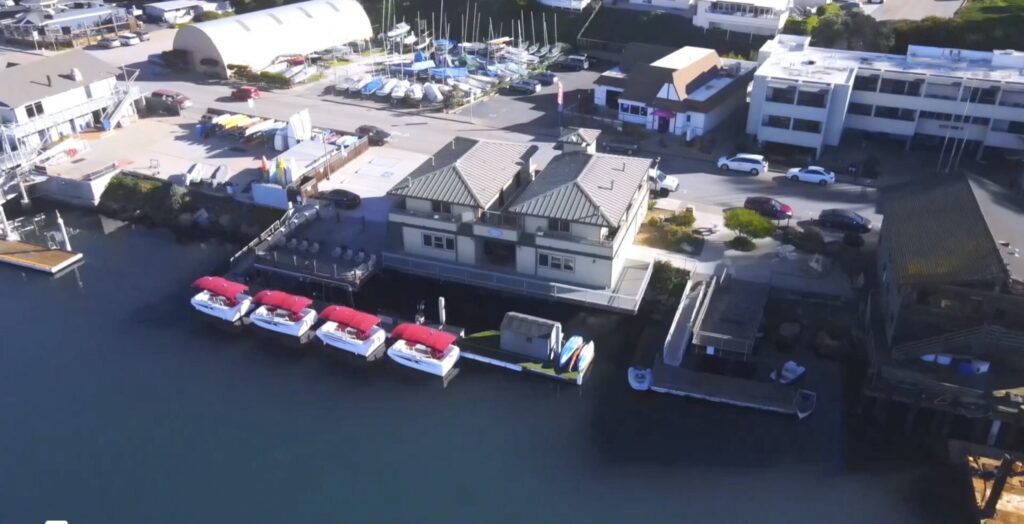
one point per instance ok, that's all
(718, 388)
(38, 258)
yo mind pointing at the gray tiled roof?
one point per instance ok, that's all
(474, 174)
(579, 187)
(937, 233)
(34, 81)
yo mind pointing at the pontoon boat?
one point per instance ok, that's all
(351, 330)
(423, 348)
(221, 298)
(283, 313)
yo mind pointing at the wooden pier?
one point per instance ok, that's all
(37, 258)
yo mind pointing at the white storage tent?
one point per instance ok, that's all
(255, 39)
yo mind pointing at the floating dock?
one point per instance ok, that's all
(37, 258)
(484, 347)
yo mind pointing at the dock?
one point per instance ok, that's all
(483, 347)
(37, 258)
(724, 389)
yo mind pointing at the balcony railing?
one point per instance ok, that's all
(429, 215)
(569, 237)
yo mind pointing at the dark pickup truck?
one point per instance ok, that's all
(622, 147)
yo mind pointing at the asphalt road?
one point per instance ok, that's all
(517, 118)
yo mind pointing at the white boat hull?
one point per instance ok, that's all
(208, 303)
(419, 358)
(263, 318)
(330, 335)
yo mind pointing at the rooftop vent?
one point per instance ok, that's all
(76, 74)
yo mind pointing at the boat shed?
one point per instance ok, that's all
(729, 316)
(259, 38)
(533, 337)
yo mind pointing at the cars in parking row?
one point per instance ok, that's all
(837, 219)
(125, 39)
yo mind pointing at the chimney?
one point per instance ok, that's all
(49, 81)
(76, 74)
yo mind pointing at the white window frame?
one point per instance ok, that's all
(557, 262)
(439, 241)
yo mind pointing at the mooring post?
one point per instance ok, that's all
(64, 232)
(441, 316)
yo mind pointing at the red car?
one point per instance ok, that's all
(245, 93)
(769, 208)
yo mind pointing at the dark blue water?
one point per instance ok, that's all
(117, 405)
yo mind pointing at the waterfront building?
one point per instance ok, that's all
(172, 11)
(478, 213)
(258, 38)
(44, 101)
(685, 92)
(949, 312)
(757, 17)
(810, 96)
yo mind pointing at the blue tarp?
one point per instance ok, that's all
(413, 67)
(449, 72)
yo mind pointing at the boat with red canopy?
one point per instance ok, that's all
(424, 348)
(351, 330)
(283, 313)
(221, 298)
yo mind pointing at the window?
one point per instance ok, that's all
(781, 122)
(865, 83)
(894, 113)
(559, 262)
(812, 98)
(34, 110)
(555, 224)
(440, 207)
(860, 109)
(632, 109)
(807, 126)
(893, 86)
(782, 95)
(444, 242)
(931, 115)
(980, 95)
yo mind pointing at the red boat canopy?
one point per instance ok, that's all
(220, 286)
(420, 334)
(281, 300)
(357, 320)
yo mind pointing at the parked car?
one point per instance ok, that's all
(128, 39)
(662, 182)
(173, 97)
(142, 35)
(769, 207)
(375, 135)
(622, 145)
(245, 93)
(545, 78)
(812, 174)
(574, 63)
(753, 164)
(342, 198)
(110, 43)
(525, 86)
(844, 220)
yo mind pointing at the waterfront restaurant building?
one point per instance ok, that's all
(808, 96)
(478, 213)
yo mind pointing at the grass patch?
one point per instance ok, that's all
(986, 9)
(338, 62)
(670, 231)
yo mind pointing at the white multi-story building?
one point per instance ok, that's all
(477, 213)
(808, 96)
(44, 101)
(686, 92)
(758, 17)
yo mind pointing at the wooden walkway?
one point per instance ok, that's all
(718, 388)
(38, 258)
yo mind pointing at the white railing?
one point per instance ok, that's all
(515, 283)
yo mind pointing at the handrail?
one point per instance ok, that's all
(273, 228)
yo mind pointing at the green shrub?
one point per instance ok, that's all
(675, 234)
(809, 240)
(653, 221)
(274, 80)
(748, 223)
(741, 243)
(685, 219)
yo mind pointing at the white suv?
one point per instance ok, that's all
(753, 164)
(812, 174)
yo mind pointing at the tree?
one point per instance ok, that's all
(747, 223)
(854, 30)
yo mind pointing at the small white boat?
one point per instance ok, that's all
(344, 84)
(420, 347)
(360, 83)
(398, 30)
(639, 378)
(805, 402)
(221, 298)
(385, 90)
(401, 88)
(432, 93)
(351, 330)
(415, 94)
(486, 80)
(283, 313)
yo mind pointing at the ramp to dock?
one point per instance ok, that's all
(38, 258)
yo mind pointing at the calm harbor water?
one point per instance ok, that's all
(117, 405)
